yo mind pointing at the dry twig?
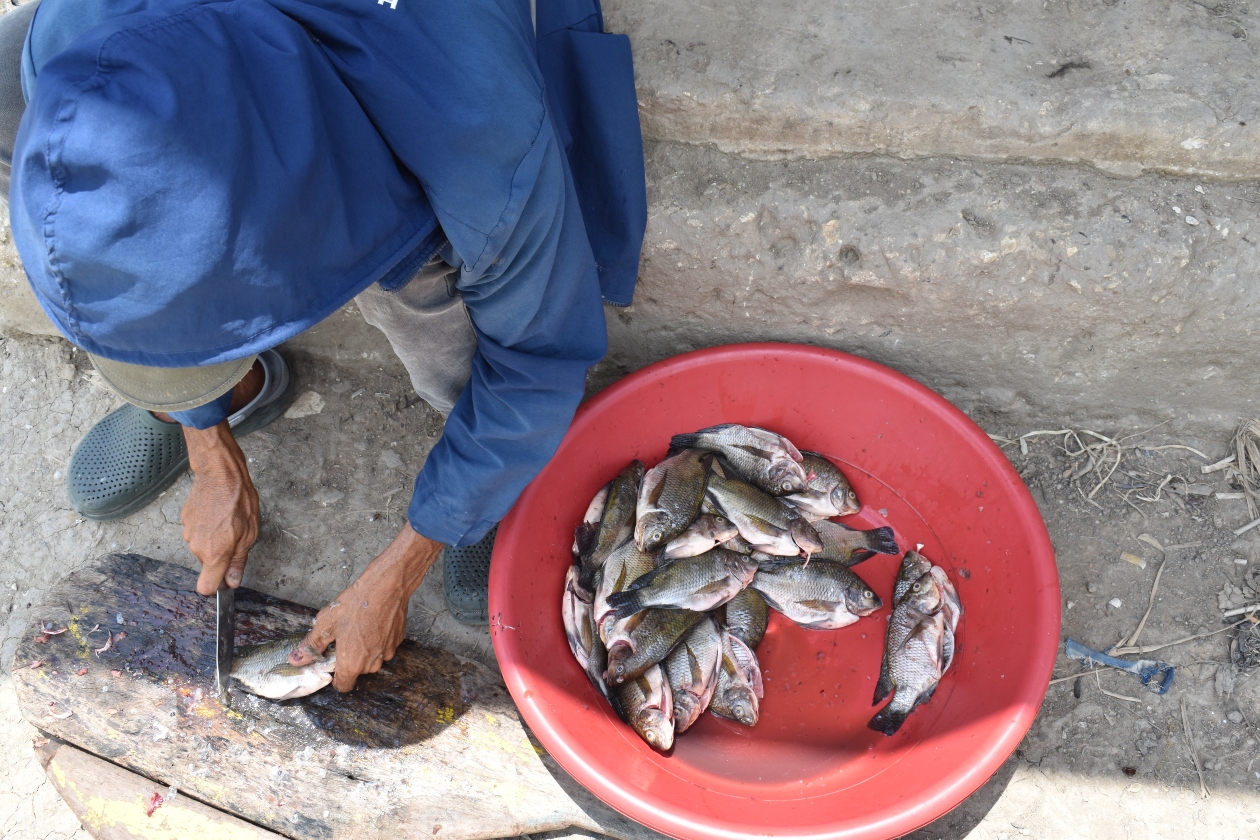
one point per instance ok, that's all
(1194, 754)
(1150, 604)
(1125, 651)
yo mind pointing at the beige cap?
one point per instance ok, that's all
(171, 389)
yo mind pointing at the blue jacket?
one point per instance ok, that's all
(197, 181)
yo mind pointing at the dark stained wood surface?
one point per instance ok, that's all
(430, 746)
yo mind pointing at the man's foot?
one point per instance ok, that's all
(466, 580)
(128, 458)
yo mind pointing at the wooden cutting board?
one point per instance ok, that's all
(431, 746)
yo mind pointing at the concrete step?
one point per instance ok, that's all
(1022, 293)
(1130, 87)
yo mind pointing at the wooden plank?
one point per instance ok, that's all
(114, 804)
(430, 746)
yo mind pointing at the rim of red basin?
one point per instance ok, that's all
(977, 762)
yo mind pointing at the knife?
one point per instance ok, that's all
(225, 637)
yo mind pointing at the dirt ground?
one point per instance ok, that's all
(334, 487)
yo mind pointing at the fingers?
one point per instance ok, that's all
(344, 680)
(236, 567)
(210, 578)
(321, 636)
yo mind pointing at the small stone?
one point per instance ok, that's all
(1235, 717)
(327, 495)
(307, 404)
(1115, 602)
(1071, 604)
(1091, 587)
(1191, 220)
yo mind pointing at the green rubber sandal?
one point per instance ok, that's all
(127, 459)
(466, 580)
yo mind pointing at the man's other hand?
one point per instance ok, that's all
(221, 515)
(368, 619)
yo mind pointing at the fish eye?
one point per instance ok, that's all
(869, 594)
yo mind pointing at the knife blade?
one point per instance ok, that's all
(225, 637)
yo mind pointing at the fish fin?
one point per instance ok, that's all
(859, 555)
(819, 604)
(720, 468)
(625, 603)
(711, 588)
(887, 721)
(947, 651)
(882, 541)
(886, 685)
(926, 694)
(755, 451)
(680, 442)
(764, 525)
(584, 537)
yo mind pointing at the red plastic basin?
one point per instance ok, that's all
(810, 768)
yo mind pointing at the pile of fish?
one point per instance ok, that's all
(676, 567)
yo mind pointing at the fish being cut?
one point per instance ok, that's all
(264, 669)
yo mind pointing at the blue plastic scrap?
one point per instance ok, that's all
(1146, 670)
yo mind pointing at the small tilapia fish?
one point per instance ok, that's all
(653, 635)
(264, 669)
(616, 524)
(913, 652)
(765, 459)
(709, 530)
(739, 688)
(590, 520)
(827, 492)
(575, 612)
(850, 547)
(820, 595)
(693, 583)
(913, 566)
(951, 608)
(670, 498)
(645, 702)
(746, 616)
(767, 524)
(624, 566)
(692, 671)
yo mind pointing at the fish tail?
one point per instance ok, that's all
(625, 603)
(888, 720)
(882, 541)
(680, 442)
